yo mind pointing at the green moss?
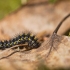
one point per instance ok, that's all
(42, 67)
(69, 33)
(52, 1)
(7, 6)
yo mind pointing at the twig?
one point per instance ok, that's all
(54, 34)
(57, 28)
(12, 48)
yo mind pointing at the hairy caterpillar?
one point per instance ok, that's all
(28, 38)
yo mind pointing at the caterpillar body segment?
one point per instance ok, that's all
(28, 38)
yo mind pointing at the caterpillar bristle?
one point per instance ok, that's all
(28, 38)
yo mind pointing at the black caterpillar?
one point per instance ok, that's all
(28, 38)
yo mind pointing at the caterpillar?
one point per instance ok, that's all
(28, 38)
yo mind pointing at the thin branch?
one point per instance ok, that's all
(12, 48)
(57, 28)
(54, 34)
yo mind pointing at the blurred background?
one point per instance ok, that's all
(50, 12)
(40, 17)
(8, 6)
